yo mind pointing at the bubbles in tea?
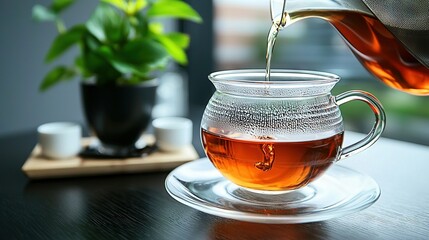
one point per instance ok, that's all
(264, 163)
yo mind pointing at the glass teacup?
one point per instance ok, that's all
(282, 134)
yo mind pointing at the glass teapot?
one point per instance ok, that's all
(389, 37)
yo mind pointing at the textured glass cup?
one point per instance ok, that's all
(282, 134)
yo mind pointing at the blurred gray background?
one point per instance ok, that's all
(24, 43)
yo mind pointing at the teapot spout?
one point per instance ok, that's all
(279, 7)
(287, 12)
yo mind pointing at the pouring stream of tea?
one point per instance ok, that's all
(278, 23)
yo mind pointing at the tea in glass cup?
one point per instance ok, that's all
(271, 164)
(282, 134)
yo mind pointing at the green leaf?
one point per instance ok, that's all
(114, 60)
(138, 57)
(156, 28)
(98, 20)
(143, 51)
(135, 6)
(90, 42)
(100, 67)
(173, 49)
(173, 8)
(141, 25)
(139, 5)
(127, 68)
(80, 65)
(129, 7)
(108, 25)
(60, 5)
(93, 62)
(182, 40)
(121, 4)
(64, 41)
(42, 14)
(56, 75)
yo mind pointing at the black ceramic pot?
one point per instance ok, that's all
(118, 115)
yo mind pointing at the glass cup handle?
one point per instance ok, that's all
(379, 124)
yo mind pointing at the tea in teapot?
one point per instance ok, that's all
(397, 54)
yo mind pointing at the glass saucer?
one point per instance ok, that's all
(338, 192)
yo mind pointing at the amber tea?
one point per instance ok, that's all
(267, 164)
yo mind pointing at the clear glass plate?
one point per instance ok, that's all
(338, 192)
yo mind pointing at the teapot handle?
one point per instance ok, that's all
(378, 127)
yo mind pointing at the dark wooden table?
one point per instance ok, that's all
(138, 207)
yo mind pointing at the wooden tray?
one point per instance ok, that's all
(38, 167)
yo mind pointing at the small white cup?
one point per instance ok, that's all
(172, 133)
(60, 140)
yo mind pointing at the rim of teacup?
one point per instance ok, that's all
(294, 76)
(54, 128)
(171, 123)
(283, 82)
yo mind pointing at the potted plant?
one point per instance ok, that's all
(121, 48)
